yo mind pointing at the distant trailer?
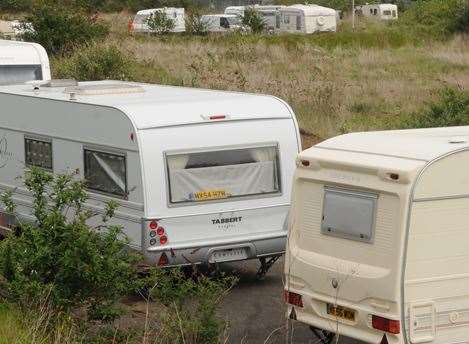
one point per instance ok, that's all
(139, 23)
(378, 11)
(22, 61)
(200, 176)
(222, 22)
(267, 12)
(306, 19)
(13, 30)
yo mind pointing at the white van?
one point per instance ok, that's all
(306, 19)
(378, 242)
(222, 22)
(200, 176)
(378, 11)
(139, 23)
(21, 62)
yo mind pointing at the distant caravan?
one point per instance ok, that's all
(200, 176)
(378, 11)
(139, 23)
(21, 62)
(306, 19)
(378, 241)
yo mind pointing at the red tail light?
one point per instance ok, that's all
(163, 260)
(163, 239)
(387, 325)
(153, 225)
(160, 231)
(217, 117)
(293, 298)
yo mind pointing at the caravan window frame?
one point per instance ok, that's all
(111, 152)
(169, 153)
(43, 140)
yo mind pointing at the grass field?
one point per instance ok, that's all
(336, 82)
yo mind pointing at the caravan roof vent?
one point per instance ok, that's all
(106, 89)
(458, 139)
(60, 83)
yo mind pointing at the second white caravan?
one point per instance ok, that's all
(200, 176)
(22, 61)
(378, 248)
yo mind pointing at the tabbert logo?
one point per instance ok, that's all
(5, 155)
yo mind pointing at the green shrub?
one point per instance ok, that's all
(451, 110)
(93, 62)
(59, 256)
(15, 5)
(190, 305)
(60, 29)
(160, 23)
(195, 25)
(253, 20)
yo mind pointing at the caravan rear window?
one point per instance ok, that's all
(349, 214)
(18, 74)
(223, 174)
(106, 172)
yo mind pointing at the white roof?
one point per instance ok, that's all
(220, 16)
(310, 10)
(164, 9)
(382, 6)
(21, 53)
(417, 144)
(149, 106)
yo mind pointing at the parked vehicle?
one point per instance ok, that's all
(200, 176)
(267, 12)
(22, 61)
(378, 238)
(222, 22)
(378, 11)
(306, 19)
(140, 25)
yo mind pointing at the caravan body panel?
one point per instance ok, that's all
(306, 19)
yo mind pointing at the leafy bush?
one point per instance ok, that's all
(93, 62)
(15, 5)
(160, 23)
(451, 110)
(190, 305)
(195, 25)
(253, 20)
(59, 29)
(59, 256)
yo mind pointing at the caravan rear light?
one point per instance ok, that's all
(305, 163)
(160, 231)
(163, 260)
(153, 225)
(215, 117)
(387, 325)
(293, 298)
(163, 239)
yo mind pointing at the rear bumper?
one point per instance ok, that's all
(314, 314)
(201, 253)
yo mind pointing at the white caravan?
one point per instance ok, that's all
(21, 62)
(306, 19)
(13, 30)
(200, 176)
(267, 12)
(378, 242)
(222, 22)
(378, 11)
(139, 23)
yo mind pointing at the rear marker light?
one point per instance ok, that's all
(163, 260)
(163, 239)
(152, 242)
(305, 163)
(152, 234)
(293, 298)
(153, 225)
(160, 231)
(215, 117)
(387, 325)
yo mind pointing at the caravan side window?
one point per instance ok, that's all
(349, 214)
(106, 172)
(38, 153)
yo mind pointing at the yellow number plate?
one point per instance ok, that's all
(209, 195)
(341, 312)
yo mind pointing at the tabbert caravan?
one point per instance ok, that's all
(200, 176)
(378, 11)
(306, 19)
(267, 12)
(378, 243)
(139, 23)
(222, 22)
(21, 62)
